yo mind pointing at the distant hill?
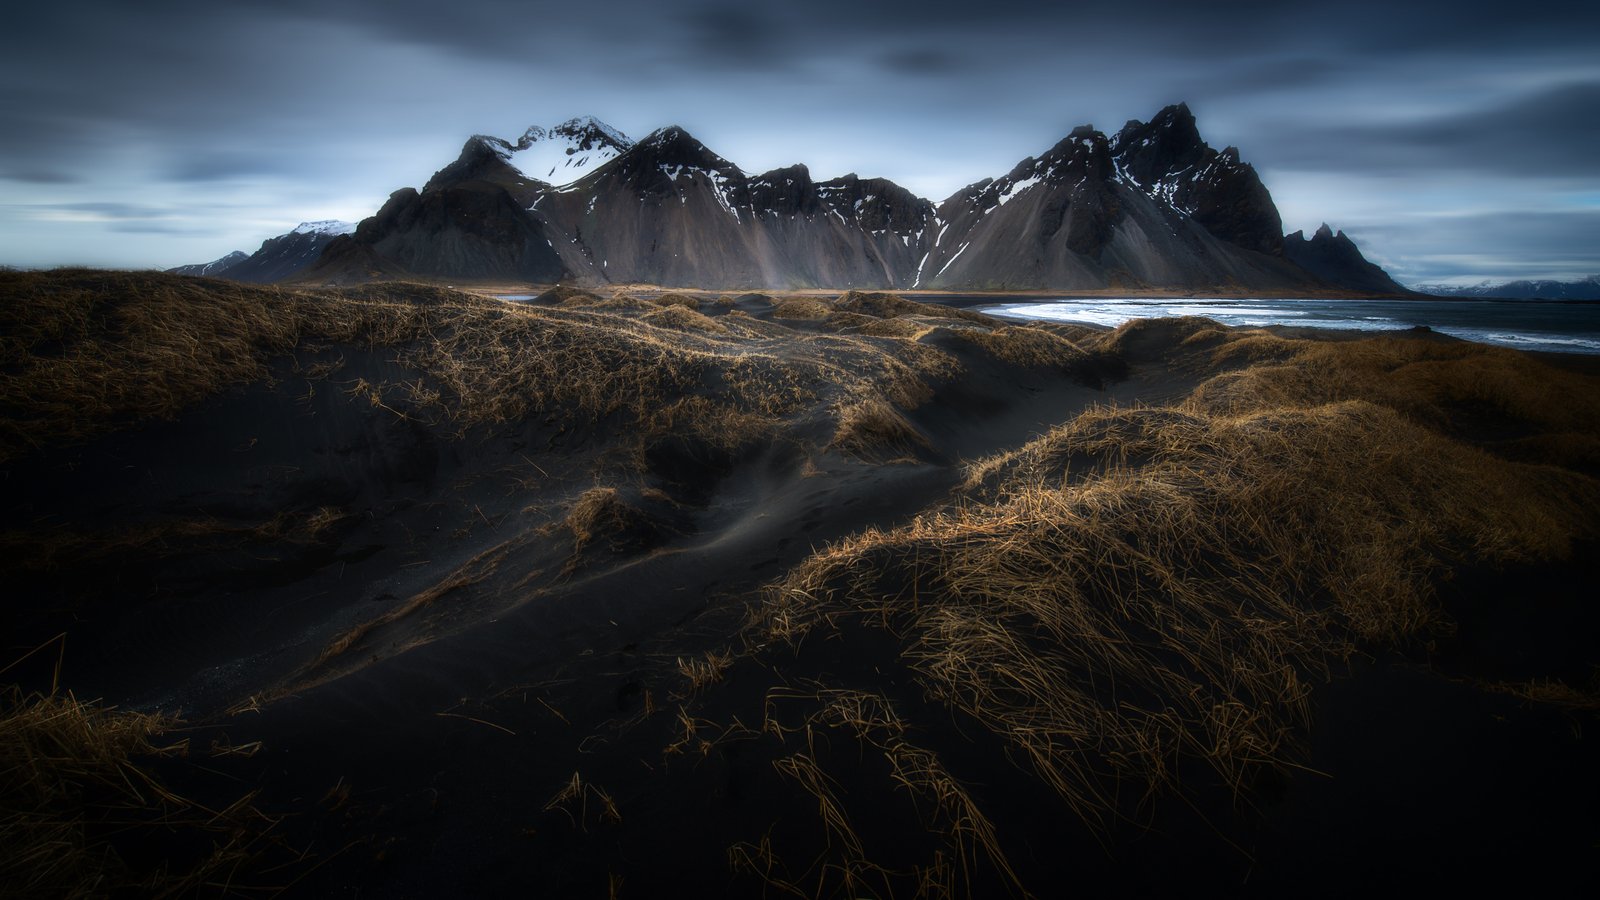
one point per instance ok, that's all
(279, 258)
(1585, 289)
(211, 269)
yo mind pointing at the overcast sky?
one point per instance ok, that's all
(1453, 141)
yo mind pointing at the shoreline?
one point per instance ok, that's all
(992, 303)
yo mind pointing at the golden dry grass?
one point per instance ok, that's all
(85, 353)
(804, 308)
(1136, 590)
(1461, 389)
(966, 843)
(872, 429)
(683, 301)
(75, 786)
(603, 518)
(573, 801)
(1145, 586)
(1026, 346)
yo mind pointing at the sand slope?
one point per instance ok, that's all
(833, 596)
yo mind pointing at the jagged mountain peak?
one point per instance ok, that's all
(1083, 142)
(1175, 117)
(560, 154)
(674, 145)
(1333, 257)
(1169, 161)
(1168, 144)
(670, 138)
(592, 132)
(582, 133)
(799, 173)
(1083, 153)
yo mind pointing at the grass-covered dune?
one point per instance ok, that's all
(430, 593)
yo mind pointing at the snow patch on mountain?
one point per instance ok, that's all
(563, 153)
(331, 227)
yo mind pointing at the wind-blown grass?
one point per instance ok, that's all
(1141, 589)
(75, 785)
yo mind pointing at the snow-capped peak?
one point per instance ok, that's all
(564, 153)
(589, 125)
(325, 226)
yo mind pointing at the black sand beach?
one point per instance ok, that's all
(746, 595)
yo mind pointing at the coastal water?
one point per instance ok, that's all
(1567, 327)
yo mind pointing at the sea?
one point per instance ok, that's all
(1551, 326)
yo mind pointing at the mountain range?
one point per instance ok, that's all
(278, 258)
(1153, 207)
(1583, 289)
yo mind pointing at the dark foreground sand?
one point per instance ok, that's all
(760, 597)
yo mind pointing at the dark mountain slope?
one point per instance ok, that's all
(1071, 220)
(213, 269)
(288, 254)
(670, 211)
(1335, 258)
(1170, 162)
(1154, 209)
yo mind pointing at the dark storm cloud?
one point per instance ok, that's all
(1548, 133)
(110, 210)
(38, 136)
(1552, 132)
(1499, 245)
(313, 97)
(1272, 76)
(39, 176)
(158, 228)
(922, 61)
(734, 37)
(222, 165)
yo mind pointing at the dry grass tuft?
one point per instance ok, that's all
(912, 329)
(803, 308)
(602, 518)
(1029, 347)
(679, 300)
(1147, 339)
(704, 671)
(573, 798)
(681, 318)
(75, 788)
(888, 306)
(873, 429)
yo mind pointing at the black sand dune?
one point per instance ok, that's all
(763, 596)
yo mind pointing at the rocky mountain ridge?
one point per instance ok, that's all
(1151, 208)
(278, 258)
